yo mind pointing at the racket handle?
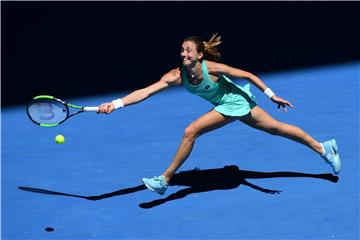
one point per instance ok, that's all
(91, 109)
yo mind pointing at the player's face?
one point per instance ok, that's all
(189, 54)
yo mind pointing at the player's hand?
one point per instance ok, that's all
(281, 102)
(106, 108)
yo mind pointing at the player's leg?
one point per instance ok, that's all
(260, 119)
(208, 122)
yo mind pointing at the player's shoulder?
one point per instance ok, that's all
(213, 66)
(174, 72)
(216, 67)
(172, 76)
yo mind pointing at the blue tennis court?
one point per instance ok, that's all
(238, 183)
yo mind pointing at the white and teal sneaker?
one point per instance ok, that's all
(331, 155)
(156, 184)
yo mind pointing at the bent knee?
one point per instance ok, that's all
(191, 132)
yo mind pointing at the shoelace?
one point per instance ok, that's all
(156, 178)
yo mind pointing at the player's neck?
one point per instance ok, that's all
(194, 71)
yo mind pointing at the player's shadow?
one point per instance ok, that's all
(197, 181)
(229, 177)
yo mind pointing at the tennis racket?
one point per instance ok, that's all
(49, 111)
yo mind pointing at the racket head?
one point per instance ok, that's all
(47, 111)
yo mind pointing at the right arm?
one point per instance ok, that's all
(169, 79)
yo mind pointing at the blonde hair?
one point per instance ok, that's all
(209, 48)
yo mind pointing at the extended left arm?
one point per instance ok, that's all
(238, 73)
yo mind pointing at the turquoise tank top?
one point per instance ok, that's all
(228, 98)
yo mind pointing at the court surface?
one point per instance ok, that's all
(238, 183)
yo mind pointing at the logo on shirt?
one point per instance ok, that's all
(207, 87)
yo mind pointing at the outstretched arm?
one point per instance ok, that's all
(264, 190)
(219, 69)
(169, 79)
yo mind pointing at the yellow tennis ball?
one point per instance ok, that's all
(59, 139)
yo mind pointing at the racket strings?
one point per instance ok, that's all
(47, 111)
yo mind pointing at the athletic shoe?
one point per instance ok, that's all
(331, 155)
(156, 184)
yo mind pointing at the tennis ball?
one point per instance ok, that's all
(59, 139)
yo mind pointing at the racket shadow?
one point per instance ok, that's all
(197, 181)
(93, 198)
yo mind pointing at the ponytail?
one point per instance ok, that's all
(207, 48)
(210, 50)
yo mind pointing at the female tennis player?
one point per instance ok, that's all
(202, 74)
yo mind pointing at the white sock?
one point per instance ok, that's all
(323, 150)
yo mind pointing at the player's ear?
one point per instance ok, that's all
(200, 55)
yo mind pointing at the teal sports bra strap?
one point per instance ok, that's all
(204, 70)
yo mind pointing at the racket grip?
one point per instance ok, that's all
(91, 109)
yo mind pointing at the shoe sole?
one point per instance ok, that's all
(336, 154)
(334, 145)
